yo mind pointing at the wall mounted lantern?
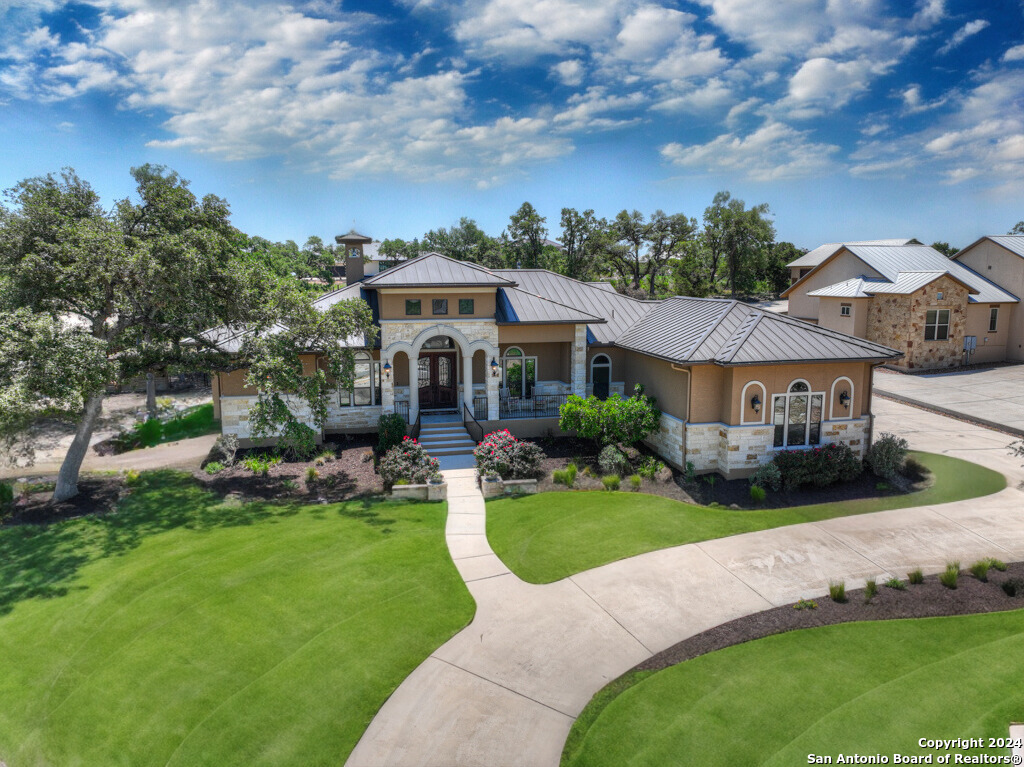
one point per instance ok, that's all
(844, 399)
(755, 402)
(494, 367)
(387, 369)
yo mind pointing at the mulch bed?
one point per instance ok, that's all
(96, 495)
(927, 600)
(734, 493)
(350, 474)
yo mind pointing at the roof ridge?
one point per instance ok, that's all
(589, 284)
(556, 303)
(735, 341)
(836, 334)
(409, 261)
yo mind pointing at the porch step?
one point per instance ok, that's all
(446, 439)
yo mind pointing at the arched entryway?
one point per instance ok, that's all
(437, 375)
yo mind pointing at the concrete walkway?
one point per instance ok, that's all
(506, 690)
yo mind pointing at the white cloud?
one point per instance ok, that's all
(569, 72)
(772, 29)
(1016, 53)
(969, 29)
(914, 102)
(772, 152)
(589, 110)
(823, 84)
(929, 13)
(714, 94)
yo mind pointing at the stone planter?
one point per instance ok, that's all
(428, 492)
(495, 487)
(437, 491)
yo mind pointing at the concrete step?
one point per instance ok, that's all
(439, 451)
(442, 432)
(463, 443)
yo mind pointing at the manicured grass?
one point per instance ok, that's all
(195, 421)
(549, 536)
(855, 688)
(183, 631)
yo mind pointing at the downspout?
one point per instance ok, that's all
(689, 399)
(871, 406)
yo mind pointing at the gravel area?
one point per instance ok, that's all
(929, 599)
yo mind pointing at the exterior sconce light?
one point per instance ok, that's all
(844, 399)
(494, 367)
(755, 402)
(387, 369)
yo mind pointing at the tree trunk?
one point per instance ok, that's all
(67, 479)
(151, 394)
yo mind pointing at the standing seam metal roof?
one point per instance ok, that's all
(515, 306)
(820, 253)
(433, 269)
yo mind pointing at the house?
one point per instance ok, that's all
(937, 311)
(373, 261)
(812, 258)
(1000, 258)
(504, 348)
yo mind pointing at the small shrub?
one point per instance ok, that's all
(213, 467)
(511, 458)
(289, 485)
(436, 478)
(896, 583)
(950, 575)
(587, 472)
(649, 467)
(870, 590)
(312, 475)
(261, 464)
(997, 564)
(690, 475)
(916, 577)
(612, 460)
(887, 454)
(913, 469)
(635, 482)
(1014, 587)
(390, 430)
(6, 495)
(401, 481)
(407, 460)
(837, 590)
(767, 477)
(758, 494)
(326, 455)
(882, 486)
(821, 466)
(297, 441)
(611, 482)
(560, 477)
(570, 474)
(805, 604)
(131, 477)
(319, 461)
(980, 570)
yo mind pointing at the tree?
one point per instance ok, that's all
(583, 236)
(641, 249)
(1018, 228)
(948, 250)
(465, 242)
(142, 281)
(738, 236)
(610, 421)
(525, 236)
(776, 271)
(400, 250)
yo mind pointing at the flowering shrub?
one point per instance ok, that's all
(409, 461)
(820, 466)
(886, 455)
(509, 457)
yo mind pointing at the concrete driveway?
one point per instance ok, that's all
(506, 690)
(990, 396)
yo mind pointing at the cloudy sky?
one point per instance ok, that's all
(853, 119)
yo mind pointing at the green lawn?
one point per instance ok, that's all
(549, 536)
(856, 688)
(195, 421)
(180, 631)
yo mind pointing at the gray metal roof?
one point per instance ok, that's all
(702, 330)
(820, 253)
(911, 282)
(854, 288)
(434, 270)
(619, 312)
(515, 306)
(1012, 242)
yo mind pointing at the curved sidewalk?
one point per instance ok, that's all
(506, 690)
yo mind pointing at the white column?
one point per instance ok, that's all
(414, 386)
(467, 380)
(578, 373)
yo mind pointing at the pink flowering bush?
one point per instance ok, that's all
(507, 456)
(409, 461)
(820, 466)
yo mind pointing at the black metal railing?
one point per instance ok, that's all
(402, 408)
(537, 406)
(476, 431)
(480, 408)
(416, 426)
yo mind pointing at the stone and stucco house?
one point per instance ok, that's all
(504, 348)
(937, 311)
(1000, 258)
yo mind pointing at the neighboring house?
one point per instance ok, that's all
(1000, 258)
(812, 258)
(373, 261)
(506, 347)
(935, 310)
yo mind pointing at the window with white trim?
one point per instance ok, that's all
(993, 319)
(844, 310)
(519, 373)
(601, 375)
(936, 325)
(365, 389)
(796, 416)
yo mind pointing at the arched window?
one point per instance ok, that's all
(519, 373)
(601, 375)
(365, 383)
(796, 415)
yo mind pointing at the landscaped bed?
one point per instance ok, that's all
(549, 536)
(181, 628)
(857, 688)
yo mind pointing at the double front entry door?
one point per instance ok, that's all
(438, 382)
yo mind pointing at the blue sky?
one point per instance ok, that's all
(853, 119)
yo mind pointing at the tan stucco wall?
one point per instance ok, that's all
(660, 381)
(1005, 269)
(830, 316)
(233, 383)
(898, 321)
(709, 383)
(511, 335)
(552, 359)
(842, 266)
(991, 346)
(392, 304)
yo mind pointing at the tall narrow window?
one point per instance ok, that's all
(601, 375)
(936, 325)
(993, 319)
(796, 416)
(520, 373)
(365, 383)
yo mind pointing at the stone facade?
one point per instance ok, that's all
(234, 416)
(352, 420)
(396, 331)
(579, 361)
(736, 451)
(669, 441)
(898, 321)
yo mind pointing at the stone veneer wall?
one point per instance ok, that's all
(736, 451)
(898, 322)
(407, 330)
(234, 417)
(578, 373)
(669, 441)
(355, 420)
